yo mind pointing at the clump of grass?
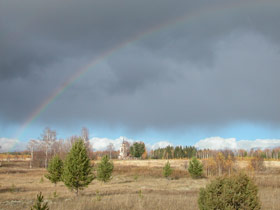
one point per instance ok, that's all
(140, 194)
(98, 196)
(13, 188)
(42, 180)
(55, 195)
(135, 178)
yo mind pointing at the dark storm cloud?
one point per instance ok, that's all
(39, 32)
(217, 68)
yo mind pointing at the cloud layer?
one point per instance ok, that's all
(218, 143)
(218, 66)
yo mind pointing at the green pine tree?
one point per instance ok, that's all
(105, 169)
(77, 171)
(55, 169)
(195, 168)
(40, 204)
(167, 170)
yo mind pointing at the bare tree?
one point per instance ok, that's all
(59, 149)
(110, 148)
(30, 147)
(85, 134)
(85, 137)
(48, 137)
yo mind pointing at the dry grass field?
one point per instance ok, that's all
(135, 185)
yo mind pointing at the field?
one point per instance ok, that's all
(135, 185)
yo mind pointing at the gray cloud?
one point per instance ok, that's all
(220, 67)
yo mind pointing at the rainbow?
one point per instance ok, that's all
(194, 16)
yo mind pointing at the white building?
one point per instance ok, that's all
(124, 149)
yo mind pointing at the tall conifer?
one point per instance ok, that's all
(77, 172)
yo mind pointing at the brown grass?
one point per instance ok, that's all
(135, 185)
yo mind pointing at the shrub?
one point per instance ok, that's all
(55, 169)
(257, 163)
(105, 169)
(195, 168)
(40, 204)
(234, 192)
(167, 170)
(77, 171)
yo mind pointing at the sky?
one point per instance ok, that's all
(181, 72)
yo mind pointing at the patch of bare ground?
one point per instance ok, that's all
(135, 185)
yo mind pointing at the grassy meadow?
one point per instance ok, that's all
(136, 184)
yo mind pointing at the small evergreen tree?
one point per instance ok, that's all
(230, 193)
(167, 170)
(105, 169)
(77, 170)
(40, 204)
(195, 168)
(55, 169)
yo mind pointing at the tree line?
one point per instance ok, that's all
(171, 152)
(42, 150)
(180, 152)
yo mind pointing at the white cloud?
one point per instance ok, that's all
(217, 143)
(100, 144)
(160, 144)
(8, 145)
(259, 143)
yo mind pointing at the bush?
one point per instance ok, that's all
(167, 171)
(105, 169)
(195, 168)
(230, 193)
